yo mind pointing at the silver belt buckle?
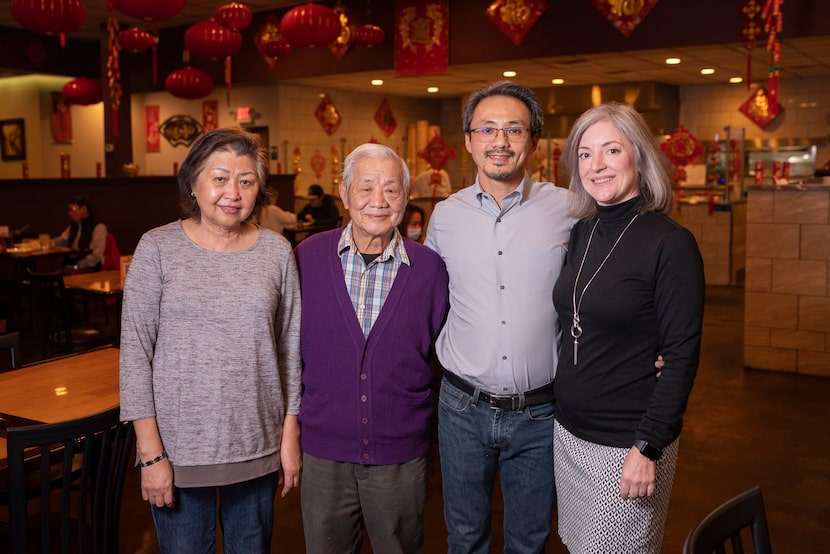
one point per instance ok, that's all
(514, 401)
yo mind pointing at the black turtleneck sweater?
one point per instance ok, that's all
(646, 300)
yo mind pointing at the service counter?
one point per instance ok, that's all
(787, 303)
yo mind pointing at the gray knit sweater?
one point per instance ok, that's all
(210, 345)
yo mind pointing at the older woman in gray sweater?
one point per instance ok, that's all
(210, 359)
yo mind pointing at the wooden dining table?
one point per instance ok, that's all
(106, 283)
(62, 389)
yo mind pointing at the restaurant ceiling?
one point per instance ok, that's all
(806, 57)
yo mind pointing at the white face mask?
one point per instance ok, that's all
(413, 233)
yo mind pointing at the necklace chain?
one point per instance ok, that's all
(576, 327)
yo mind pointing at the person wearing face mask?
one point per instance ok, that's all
(412, 224)
(373, 304)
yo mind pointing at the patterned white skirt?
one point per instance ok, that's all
(592, 516)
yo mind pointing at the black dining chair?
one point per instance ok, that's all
(56, 318)
(84, 462)
(11, 343)
(740, 523)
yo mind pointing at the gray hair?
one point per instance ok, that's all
(653, 182)
(376, 152)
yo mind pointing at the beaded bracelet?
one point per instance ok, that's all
(155, 460)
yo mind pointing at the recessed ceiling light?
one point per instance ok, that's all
(377, 82)
(736, 80)
(509, 74)
(558, 81)
(432, 89)
(707, 71)
(672, 61)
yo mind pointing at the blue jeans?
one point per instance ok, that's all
(246, 514)
(477, 443)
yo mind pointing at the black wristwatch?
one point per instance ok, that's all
(651, 452)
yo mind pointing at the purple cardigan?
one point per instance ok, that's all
(368, 401)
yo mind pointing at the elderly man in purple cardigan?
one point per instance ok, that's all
(372, 305)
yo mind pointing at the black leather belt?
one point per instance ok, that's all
(542, 395)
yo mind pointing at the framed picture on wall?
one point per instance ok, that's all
(12, 139)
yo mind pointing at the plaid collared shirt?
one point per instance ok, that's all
(369, 286)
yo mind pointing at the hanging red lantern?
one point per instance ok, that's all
(82, 91)
(54, 17)
(209, 39)
(369, 35)
(275, 48)
(136, 40)
(148, 10)
(189, 83)
(310, 25)
(234, 16)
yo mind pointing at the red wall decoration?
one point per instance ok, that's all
(421, 37)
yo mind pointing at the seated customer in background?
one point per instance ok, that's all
(321, 210)
(85, 233)
(271, 216)
(412, 224)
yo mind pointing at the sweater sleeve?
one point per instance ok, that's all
(679, 299)
(287, 329)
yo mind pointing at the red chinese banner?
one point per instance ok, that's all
(421, 37)
(624, 16)
(515, 18)
(151, 129)
(61, 119)
(210, 115)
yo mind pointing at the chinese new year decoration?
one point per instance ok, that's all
(138, 40)
(421, 37)
(624, 15)
(327, 114)
(53, 17)
(681, 147)
(82, 91)
(773, 24)
(340, 46)
(761, 107)
(368, 35)
(189, 83)
(515, 18)
(385, 118)
(310, 25)
(750, 33)
(318, 164)
(114, 71)
(437, 153)
(270, 43)
(234, 16)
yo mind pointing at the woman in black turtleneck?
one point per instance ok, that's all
(632, 288)
(84, 233)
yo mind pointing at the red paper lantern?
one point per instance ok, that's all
(53, 17)
(82, 91)
(136, 40)
(369, 35)
(275, 48)
(148, 10)
(189, 83)
(310, 25)
(209, 39)
(234, 16)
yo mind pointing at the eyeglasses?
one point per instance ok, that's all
(517, 134)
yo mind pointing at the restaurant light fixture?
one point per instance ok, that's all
(376, 82)
(509, 74)
(735, 80)
(672, 61)
(557, 81)
(432, 90)
(707, 71)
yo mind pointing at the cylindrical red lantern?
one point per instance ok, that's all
(189, 83)
(234, 16)
(368, 35)
(148, 10)
(82, 91)
(275, 48)
(53, 17)
(310, 25)
(136, 40)
(209, 39)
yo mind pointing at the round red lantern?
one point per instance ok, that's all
(189, 83)
(369, 35)
(82, 91)
(136, 40)
(209, 39)
(278, 48)
(234, 16)
(53, 17)
(310, 25)
(148, 10)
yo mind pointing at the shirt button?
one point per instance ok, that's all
(365, 455)
(364, 420)
(504, 357)
(363, 398)
(363, 377)
(504, 322)
(498, 220)
(365, 442)
(500, 252)
(501, 287)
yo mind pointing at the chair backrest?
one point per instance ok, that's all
(51, 310)
(724, 526)
(11, 342)
(86, 460)
(112, 256)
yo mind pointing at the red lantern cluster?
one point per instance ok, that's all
(209, 39)
(82, 91)
(189, 83)
(310, 25)
(52, 17)
(234, 16)
(369, 35)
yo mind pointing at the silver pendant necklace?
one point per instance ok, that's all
(576, 328)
